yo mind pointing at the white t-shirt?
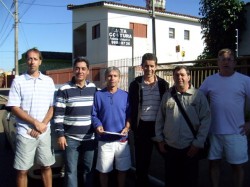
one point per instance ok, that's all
(227, 97)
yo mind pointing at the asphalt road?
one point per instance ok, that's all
(8, 175)
(7, 172)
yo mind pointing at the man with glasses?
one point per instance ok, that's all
(227, 92)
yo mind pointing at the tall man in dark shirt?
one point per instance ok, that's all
(145, 94)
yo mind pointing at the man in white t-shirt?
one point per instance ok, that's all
(227, 92)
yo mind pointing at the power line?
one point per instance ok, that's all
(24, 36)
(46, 5)
(5, 28)
(6, 25)
(25, 11)
(6, 37)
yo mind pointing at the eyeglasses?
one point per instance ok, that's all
(226, 59)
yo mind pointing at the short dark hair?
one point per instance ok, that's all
(34, 49)
(81, 59)
(177, 68)
(148, 56)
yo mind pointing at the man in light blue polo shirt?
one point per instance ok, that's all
(31, 99)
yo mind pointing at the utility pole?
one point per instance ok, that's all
(16, 38)
(15, 16)
(153, 27)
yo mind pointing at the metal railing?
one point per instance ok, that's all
(198, 74)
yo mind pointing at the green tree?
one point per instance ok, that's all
(220, 19)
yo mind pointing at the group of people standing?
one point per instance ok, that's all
(93, 125)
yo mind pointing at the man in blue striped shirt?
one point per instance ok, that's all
(73, 124)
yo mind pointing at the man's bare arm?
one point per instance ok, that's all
(49, 115)
(21, 114)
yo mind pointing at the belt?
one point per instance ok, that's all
(124, 140)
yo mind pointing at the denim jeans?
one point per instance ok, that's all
(79, 158)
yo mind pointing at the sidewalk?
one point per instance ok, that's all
(226, 176)
(157, 173)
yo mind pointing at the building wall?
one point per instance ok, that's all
(118, 19)
(99, 51)
(166, 47)
(97, 48)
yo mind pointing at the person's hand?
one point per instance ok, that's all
(245, 128)
(125, 131)
(33, 133)
(40, 127)
(192, 151)
(161, 146)
(100, 130)
(62, 142)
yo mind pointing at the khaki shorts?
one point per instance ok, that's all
(110, 152)
(30, 150)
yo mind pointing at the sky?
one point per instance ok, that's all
(47, 24)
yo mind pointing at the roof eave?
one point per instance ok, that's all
(136, 9)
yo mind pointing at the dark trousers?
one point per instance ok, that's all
(180, 170)
(143, 151)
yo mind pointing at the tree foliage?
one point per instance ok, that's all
(220, 19)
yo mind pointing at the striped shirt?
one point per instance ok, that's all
(34, 96)
(73, 111)
(151, 102)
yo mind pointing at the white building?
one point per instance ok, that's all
(91, 33)
(109, 33)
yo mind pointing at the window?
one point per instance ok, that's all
(171, 33)
(96, 31)
(186, 34)
(139, 30)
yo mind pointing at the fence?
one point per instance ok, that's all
(198, 74)
(165, 70)
(131, 68)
